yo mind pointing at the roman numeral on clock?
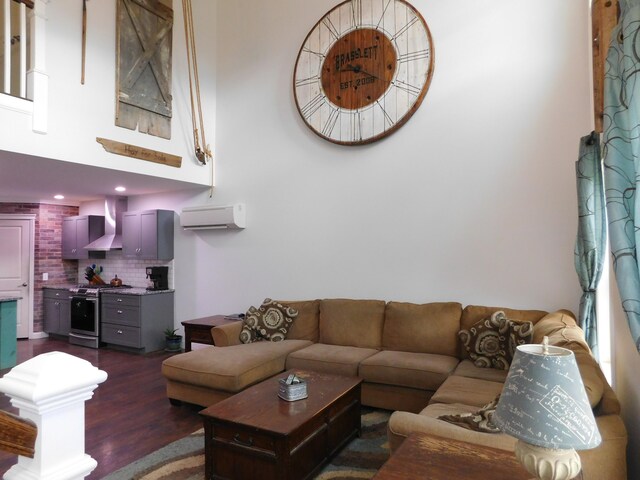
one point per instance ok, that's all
(406, 87)
(313, 105)
(413, 56)
(356, 12)
(404, 29)
(331, 122)
(331, 27)
(307, 81)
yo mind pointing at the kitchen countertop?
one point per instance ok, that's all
(133, 291)
(8, 298)
(118, 291)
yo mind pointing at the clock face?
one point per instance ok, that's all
(363, 70)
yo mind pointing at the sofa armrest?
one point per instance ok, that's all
(227, 334)
(402, 424)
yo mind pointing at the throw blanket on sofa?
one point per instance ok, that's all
(479, 421)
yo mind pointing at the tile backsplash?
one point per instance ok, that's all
(131, 272)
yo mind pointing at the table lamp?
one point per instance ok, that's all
(544, 405)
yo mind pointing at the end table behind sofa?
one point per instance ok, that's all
(199, 330)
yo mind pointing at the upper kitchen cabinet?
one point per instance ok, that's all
(148, 235)
(78, 232)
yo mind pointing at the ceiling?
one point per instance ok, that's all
(25, 178)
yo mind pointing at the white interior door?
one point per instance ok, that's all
(16, 237)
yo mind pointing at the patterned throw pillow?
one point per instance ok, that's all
(492, 342)
(270, 322)
(479, 421)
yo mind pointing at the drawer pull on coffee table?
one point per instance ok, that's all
(237, 439)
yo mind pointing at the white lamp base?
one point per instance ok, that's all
(548, 463)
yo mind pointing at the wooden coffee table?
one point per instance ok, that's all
(255, 434)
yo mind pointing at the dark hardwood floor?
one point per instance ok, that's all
(129, 415)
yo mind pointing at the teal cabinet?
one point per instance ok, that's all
(8, 325)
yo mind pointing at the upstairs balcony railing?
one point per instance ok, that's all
(15, 40)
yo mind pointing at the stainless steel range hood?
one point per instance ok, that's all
(114, 207)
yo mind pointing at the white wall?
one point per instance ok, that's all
(473, 200)
(80, 113)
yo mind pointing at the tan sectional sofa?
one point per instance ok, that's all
(410, 360)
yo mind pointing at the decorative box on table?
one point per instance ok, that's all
(292, 388)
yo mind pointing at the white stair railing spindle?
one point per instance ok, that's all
(7, 45)
(23, 51)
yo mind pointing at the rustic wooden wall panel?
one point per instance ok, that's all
(604, 17)
(144, 56)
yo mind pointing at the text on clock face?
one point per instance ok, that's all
(365, 52)
(357, 82)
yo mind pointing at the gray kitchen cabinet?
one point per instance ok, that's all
(57, 311)
(80, 231)
(148, 235)
(136, 322)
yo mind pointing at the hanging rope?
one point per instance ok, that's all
(202, 151)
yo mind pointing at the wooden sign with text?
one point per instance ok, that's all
(140, 153)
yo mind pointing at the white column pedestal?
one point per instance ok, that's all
(51, 390)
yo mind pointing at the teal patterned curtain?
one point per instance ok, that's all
(592, 228)
(622, 157)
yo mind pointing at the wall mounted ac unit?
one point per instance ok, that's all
(209, 217)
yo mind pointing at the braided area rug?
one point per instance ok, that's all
(184, 458)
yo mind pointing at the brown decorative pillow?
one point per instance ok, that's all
(520, 333)
(491, 342)
(480, 421)
(271, 322)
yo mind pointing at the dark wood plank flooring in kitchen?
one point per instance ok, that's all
(129, 415)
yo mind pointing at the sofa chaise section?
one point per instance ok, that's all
(208, 375)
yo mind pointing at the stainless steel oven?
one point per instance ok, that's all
(85, 314)
(85, 317)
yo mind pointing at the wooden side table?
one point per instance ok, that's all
(438, 458)
(199, 330)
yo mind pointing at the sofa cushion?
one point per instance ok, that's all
(474, 313)
(470, 391)
(305, 326)
(336, 359)
(233, 368)
(356, 323)
(407, 369)
(271, 322)
(426, 328)
(466, 368)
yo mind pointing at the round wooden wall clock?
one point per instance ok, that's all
(363, 70)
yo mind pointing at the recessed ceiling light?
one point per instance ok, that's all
(58, 197)
(120, 189)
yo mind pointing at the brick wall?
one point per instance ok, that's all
(48, 254)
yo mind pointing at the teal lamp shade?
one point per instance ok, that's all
(544, 402)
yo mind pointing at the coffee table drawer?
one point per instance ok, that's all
(244, 439)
